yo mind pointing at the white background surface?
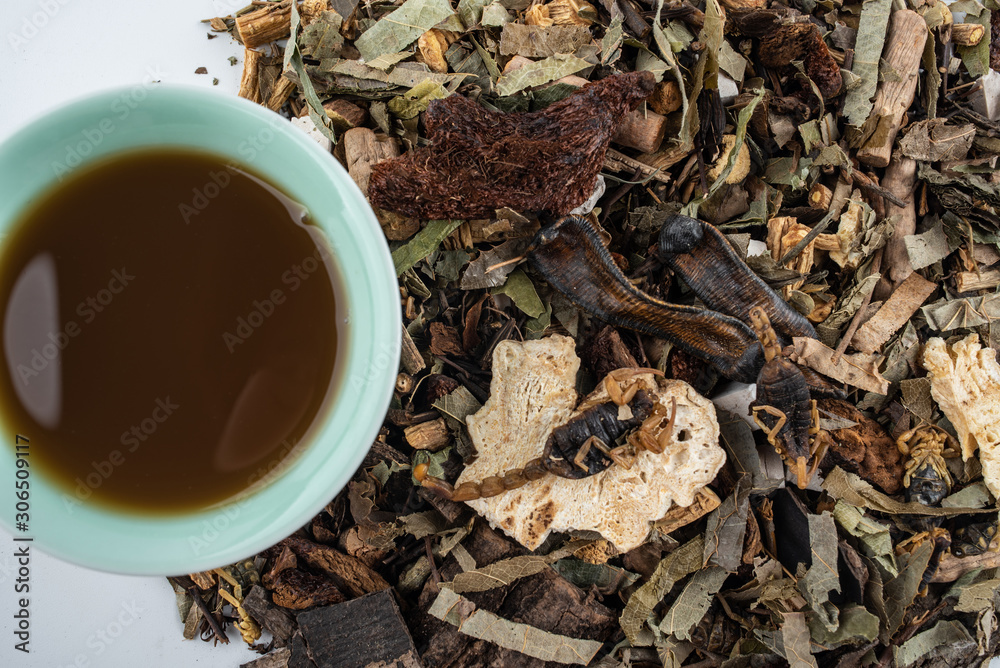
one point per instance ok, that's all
(52, 51)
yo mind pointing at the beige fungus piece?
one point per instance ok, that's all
(532, 393)
(965, 381)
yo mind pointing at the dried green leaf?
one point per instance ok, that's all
(975, 495)
(461, 612)
(732, 62)
(494, 15)
(522, 292)
(428, 523)
(417, 99)
(477, 277)
(795, 641)
(917, 397)
(293, 62)
(942, 634)
(978, 596)
(975, 58)
(534, 328)
(612, 41)
(404, 77)
(387, 60)
(726, 528)
(471, 11)
(539, 73)
(874, 536)
(933, 140)
(504, 572)
(449, 264)
(674, 567)
(398, 30)
(867, 55)
(458, 404)
(853, 490)
(693, 602)
(537, 42)
(605, 577)
(927, 248)
(321, 40)
(902, 589)
(423, 244)
(822, 577)
(856, 625)
(947, 314)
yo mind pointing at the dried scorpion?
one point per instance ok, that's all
(583, 446)
(927, 479)
(783, 393)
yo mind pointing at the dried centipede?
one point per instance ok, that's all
(582, 447)
(571, 257)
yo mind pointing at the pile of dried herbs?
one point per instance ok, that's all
(854, 143)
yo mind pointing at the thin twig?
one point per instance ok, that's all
(806, 240)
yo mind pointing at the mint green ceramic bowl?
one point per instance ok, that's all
(148, 116)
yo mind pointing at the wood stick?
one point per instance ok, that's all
(967, 34)
(895, 312)
(266, 24)
(283, 89)
(642, 131)
(615, 161)
(900, 179)
(904, 48)
(250, 81)
(967, 281)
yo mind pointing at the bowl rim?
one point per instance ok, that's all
(339, 463)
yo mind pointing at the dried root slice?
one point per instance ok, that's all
(433, 44)
(571, 12)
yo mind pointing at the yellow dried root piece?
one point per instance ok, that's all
(433, 44)
(532, 393)
(965, 382)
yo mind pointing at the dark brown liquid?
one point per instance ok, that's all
(169, 331)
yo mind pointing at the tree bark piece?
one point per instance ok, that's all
(900, 179)
(902, 53)
(276, 659)
(298, 590)
(367, 632)
(250, 80)
(350, 575)
(278, 621)
(266, 24)
(363, 149)
(895, 313)
(642, 130)
(283, 89)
